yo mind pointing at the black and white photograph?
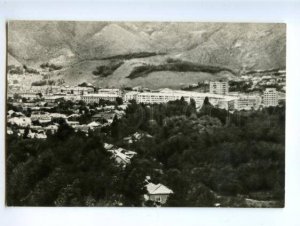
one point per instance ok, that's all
(145, 114)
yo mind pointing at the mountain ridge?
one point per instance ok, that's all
(234, 46)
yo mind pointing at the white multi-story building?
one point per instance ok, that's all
(110, 91)
(270, 97)
(53, 98)
(29, 95)
(72, 97)
(166, 95)
(96, 97)
(247, 102)
(218, 87)
(130, 95)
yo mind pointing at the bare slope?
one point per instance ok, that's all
(79, 46)
(82, 72)
(12, 61)
(242, 46)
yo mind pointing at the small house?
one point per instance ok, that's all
(157, 193)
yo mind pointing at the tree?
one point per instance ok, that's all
(193, 103)
(119, 100)
(199, 158)
(133, 186)
(206, 101)
(17, 96)
(40, 95)
(191, 108)
(28, 112)
(64, 130)
(26, 132)
(115, 128)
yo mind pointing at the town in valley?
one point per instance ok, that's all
(215, 142)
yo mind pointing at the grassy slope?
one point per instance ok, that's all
(174, 79)
(82, 72)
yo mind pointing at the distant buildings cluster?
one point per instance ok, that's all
(219, 93)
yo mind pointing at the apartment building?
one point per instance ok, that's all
(166, 95)
(110, 91)
(96, 97)
(28, 95)
(130, 95)
(247, 102)
(219, 87)
(270, 97)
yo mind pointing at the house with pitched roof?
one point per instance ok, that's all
(157, 193)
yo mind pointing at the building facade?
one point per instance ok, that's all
(95, 98)
(247, 102)
(110, 91)
(270, 97)
(166, 95)
(157, 193)
(130, 96)
(29, 96)
(219, 87)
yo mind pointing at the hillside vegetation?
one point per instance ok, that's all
(205, 157)
(133, 56)
(176, 65)
(106, 70)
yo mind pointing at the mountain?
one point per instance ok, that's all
(114, 40)
(259, 46)
(82, 46)
(12, 60)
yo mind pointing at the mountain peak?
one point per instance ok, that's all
(253, 46)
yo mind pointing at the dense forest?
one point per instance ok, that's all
(205, 156)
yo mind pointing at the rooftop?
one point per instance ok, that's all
(169, 92)
(158, 189)
(101, 95)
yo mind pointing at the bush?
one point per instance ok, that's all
(51, 67)
(106, 70)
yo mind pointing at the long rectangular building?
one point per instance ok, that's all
(96, 97)
(111, 91)
(247, 102)
(166, 95)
